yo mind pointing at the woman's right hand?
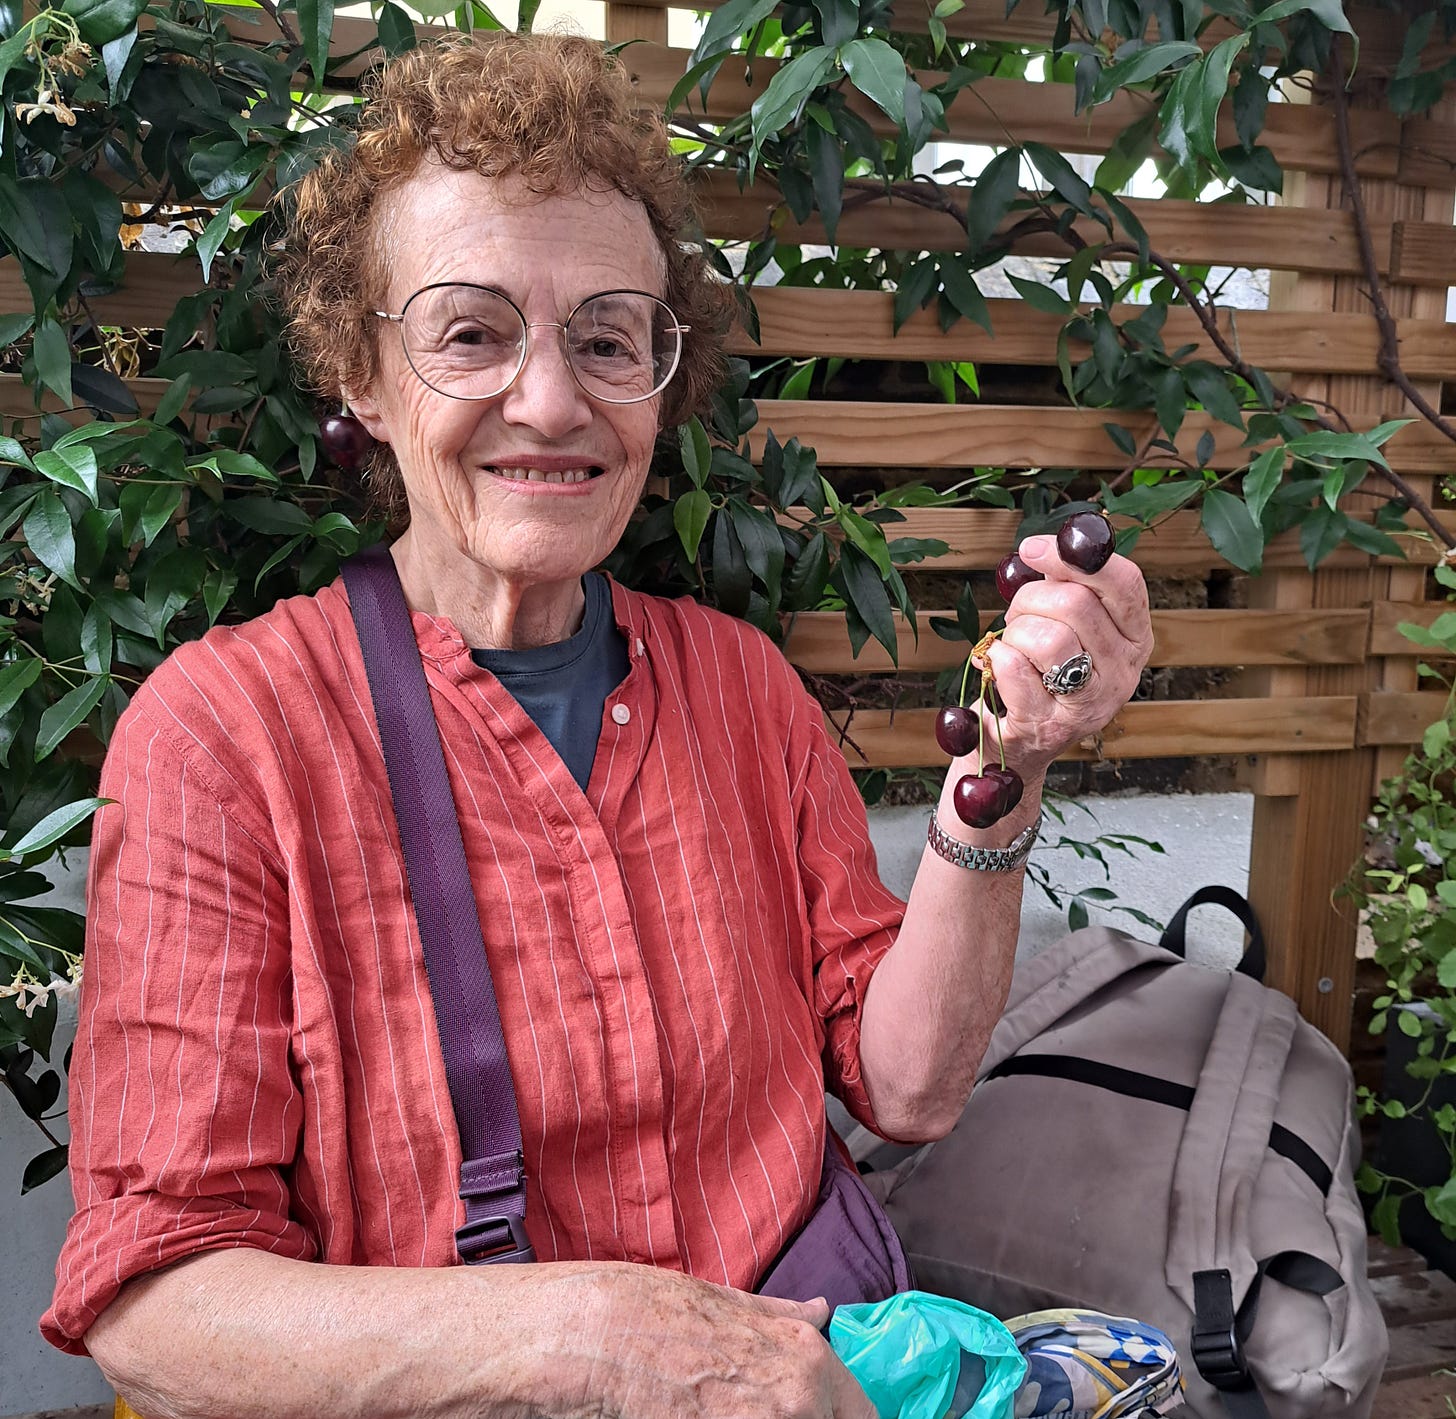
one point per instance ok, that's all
(661, 1345)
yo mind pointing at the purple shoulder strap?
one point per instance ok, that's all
(492, 1176)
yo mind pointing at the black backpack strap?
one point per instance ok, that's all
(1219, 1331)
(1173, 938)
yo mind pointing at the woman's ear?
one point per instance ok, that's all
(364, 408)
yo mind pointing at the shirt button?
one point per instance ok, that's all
(621, 714)
(640, 646)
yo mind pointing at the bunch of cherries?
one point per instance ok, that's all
(1084, 541)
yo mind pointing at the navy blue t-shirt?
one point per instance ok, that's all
(564, 687)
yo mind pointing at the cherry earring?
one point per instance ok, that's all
(346, 442)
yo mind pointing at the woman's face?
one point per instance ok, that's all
(464, 462)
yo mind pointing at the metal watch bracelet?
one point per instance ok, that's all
(982, 859)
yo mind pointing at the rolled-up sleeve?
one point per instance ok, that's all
(184, 1110)
(853, 918)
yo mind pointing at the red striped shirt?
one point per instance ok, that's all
(679, 955)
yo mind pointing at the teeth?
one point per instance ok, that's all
(537, 475)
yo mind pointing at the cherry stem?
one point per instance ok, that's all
(965, 679)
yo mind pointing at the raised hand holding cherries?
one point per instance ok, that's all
(1085, 541)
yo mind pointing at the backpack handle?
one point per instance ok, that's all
(1254, 958)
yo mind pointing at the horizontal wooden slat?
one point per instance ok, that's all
(1282, 238)
(1381, 32)
(1385, 639)
(860, 324)
(1301, 136)
(1398, 717)
(817, 640)
(978, 538)
(1421, 251)
(1160, 729)
(882, 435)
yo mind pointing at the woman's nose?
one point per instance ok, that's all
(545, 394)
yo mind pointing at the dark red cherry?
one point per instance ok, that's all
(1011, 786)
(993, 701)
(346, 442)
(957, 730)
(1012, 574)
(1085, 541)
(977, 800)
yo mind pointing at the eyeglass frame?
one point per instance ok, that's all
(528, 326)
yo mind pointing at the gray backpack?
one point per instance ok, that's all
(1158, 1139)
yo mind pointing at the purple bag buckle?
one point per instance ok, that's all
(494, 1229)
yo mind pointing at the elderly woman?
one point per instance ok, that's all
(674, 880)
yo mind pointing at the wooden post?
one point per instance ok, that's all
(1309, 810)
(626, 22)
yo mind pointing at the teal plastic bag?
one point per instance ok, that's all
(920, 1356)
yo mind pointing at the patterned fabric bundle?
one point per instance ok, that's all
(1085, 1365)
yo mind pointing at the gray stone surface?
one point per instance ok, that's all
(1205, 838)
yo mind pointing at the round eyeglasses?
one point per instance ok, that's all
(470, 342)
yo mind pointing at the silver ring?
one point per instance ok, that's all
(1070, 676)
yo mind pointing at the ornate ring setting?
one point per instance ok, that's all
(1070, 676)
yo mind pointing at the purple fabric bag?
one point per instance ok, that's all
(846, 1252)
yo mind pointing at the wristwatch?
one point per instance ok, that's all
(983, 859)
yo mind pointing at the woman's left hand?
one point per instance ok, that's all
(1103, 613)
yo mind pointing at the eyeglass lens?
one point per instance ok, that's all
(470, 343)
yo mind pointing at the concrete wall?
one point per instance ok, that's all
(33, 1376)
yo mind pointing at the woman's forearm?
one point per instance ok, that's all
(933, 1001)
(245, 1335)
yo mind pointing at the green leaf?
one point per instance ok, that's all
(838, 19)
(726, 24)
(316, 24)
(396, 29)
(826, 169)
(867, 594)
(878, 72)
(52, 353)
(996, 189)
(780, 103)
(43, 1167)
(96, 639)
(1325, 444)
(1330, 13)
(170, 404)
(1040, 297)
(102, 21)
(66, 714)
(697, 452)
(867, 536)
(12, 327)
(54, 826)
(965, 295)
(1147, 63)
(762, 546)
(1232, 530)
(808, 575)
(1061, 175)
(1320, 532)
(1170, 399)
(690, 517)
(1209, 385)
(16, 678)
(267, 515)
(48, 533)
(1262, 479)
(73, 467)
(35, 220)
(213, 234)
(1446, 971)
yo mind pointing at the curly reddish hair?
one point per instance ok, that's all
(552, 111)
